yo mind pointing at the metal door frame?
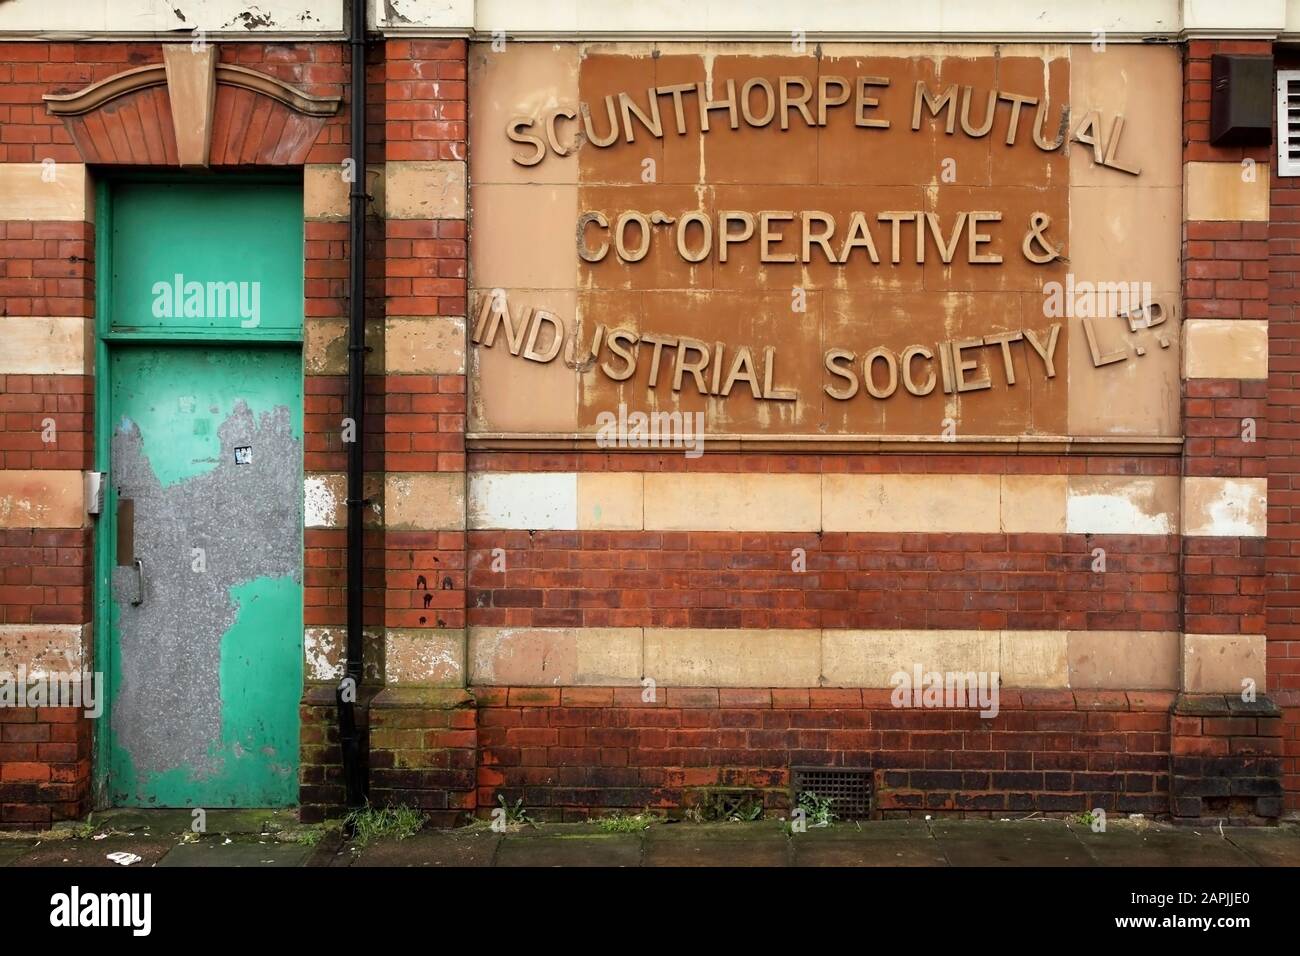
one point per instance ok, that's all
(107, 341)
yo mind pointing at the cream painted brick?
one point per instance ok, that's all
(1034, 659)
(732, 502)
(726, 657)
(324, 501)
(911, 503)
(42, 499)
(1119, 504)
(424, 501)
(871, 658)
(1225, 507)
(308, 18)
(324, 649)
(1218, 192)
(1033, 504)
(424, 190)
(533, 501)
(42, 649)
(555, 657)
(1123, 660)
(325, 346)
(1226, 17)
(1225, 348)
(424, 657)
(325, 194)
(1220, 663)
(945, 20)
(611, 501)
(425, 345)
(45, 345)
(26, 196)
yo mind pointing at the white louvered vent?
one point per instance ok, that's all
(1288, 122)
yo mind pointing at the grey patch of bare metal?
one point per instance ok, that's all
(247, 520)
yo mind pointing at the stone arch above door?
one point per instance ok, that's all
(192, 111)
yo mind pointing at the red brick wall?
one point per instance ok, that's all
(44, 766)
(888, 581)
(426, 269)
(1283, 446)
(45, 576)
(565, 751)
(1226, 275)
(47, 268)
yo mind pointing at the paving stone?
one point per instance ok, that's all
(766, 843)
(739, 844)
(70, 852)
(180, 821)
(882, 843)
(216, 852)
(11, 850)
(433, 848)
(1161, 847)
(1009, 843)
(1267, 846)
(578, 849)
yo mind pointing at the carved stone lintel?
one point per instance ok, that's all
(192, 88)
(155, 74)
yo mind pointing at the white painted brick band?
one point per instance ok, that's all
(990, 504)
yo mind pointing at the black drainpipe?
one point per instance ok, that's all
(349, 736)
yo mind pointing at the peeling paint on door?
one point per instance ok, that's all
(206, 669)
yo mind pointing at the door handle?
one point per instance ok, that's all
(139, 583)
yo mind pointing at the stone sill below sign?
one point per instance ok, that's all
(1005, 444)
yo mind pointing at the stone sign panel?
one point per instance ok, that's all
(826, 245)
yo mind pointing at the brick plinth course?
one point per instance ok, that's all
(423, 752)
(1225, 760)
(44, 766)
(567, 753)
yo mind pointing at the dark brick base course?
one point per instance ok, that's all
(567, 753)
(1225, 760)
(322, 793)
(424, 750)
(570, 752)
(45, 765)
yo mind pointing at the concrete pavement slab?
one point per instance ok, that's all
(883, 843)
(570, 849)
(11, 850)
(719, 844)
(1009, 843)
(181, 821)
(1267, 846)
(469, 847)
(1174, 846)
(68, 852)
(214, 851)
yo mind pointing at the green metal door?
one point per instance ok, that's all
(202, 569)
(206, 584)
